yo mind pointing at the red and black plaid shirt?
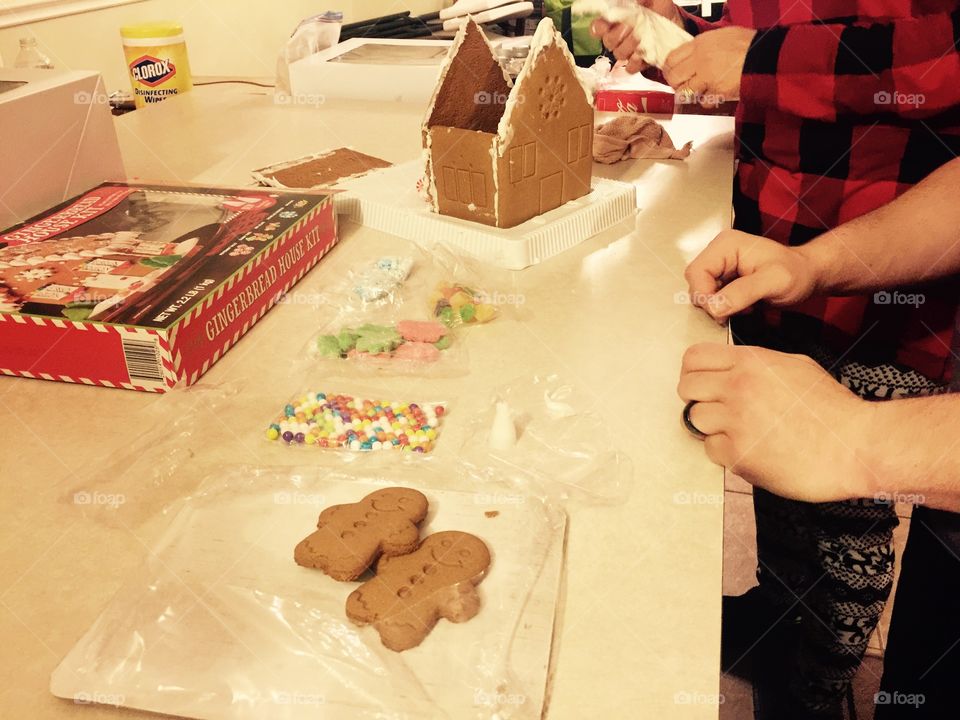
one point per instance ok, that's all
(844, 105)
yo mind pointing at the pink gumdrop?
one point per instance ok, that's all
(418, 351)
(422, 331)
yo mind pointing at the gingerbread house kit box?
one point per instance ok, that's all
(146, 286)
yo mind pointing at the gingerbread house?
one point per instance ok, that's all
(501, 153)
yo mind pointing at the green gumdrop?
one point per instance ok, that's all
(446, 316)
(377, 343)
(377, 338)
(443, 343)
(371, 330)
(467, 313)
(328, 346)
(346, 340)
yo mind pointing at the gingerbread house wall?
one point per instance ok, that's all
(547, 155)
(462, 167)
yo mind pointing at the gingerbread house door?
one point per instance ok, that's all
(551, 192)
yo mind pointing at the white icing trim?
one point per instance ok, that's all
(545, 36)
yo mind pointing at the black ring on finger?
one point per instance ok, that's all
(688, 423)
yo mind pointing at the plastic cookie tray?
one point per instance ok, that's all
(221, 623)
(388, 200)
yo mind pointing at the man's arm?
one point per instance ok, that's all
(784, 424)
(912, 239)
(912, 450)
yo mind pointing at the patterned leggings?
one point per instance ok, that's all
(832, 563)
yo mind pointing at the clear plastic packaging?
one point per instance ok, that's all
(540, 430)
(220, 622)
(407, 347)
(312, 35)
(336, 421)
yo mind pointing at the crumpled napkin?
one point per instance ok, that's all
(635, 136)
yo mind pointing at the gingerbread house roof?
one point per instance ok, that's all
(474, 92)
(470, 74)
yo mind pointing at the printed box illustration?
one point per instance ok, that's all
(146, 286)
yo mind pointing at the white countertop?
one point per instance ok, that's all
(639, 625)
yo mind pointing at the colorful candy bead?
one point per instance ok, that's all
(359, 425)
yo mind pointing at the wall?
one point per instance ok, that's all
(224, 37)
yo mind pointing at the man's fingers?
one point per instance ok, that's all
(710, 418)
(636, 64)
(708, 356)
(702, 386)
(715, 264)
(720, 450)
(678, 66)
(745, 292)
(599, 28)
(619, 38)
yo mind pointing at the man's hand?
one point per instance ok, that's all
(619, 39)
(737, 270)
(710, 65)
(780, 421)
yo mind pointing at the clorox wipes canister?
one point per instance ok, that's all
(157, 60)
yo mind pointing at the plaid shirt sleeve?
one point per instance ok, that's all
(904, 68)
(695, 25)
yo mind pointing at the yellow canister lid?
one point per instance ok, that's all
(151, 30)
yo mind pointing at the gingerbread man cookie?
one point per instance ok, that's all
(350, 538)
(410, 593)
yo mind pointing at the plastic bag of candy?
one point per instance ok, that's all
(404, 347)
(327, 420)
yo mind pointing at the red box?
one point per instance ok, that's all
(146, 286)
(650, 102)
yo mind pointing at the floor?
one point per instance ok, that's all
(739, 567)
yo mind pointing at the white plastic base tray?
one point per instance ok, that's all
(221, 623)
(388, 200)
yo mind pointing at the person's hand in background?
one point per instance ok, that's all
(710, 66)
(737, 270)
(619, 39)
